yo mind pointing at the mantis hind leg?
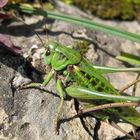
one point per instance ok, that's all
(61, 93)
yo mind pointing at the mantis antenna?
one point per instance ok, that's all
(33, 30)
(41, 5)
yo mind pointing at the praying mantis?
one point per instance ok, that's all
(85, 83)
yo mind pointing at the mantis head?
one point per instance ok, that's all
(60, 56)
(50, 50)
(51, 45)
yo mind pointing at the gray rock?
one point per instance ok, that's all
(30, 113)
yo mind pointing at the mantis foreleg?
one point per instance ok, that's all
(46, 81)
(48, 78)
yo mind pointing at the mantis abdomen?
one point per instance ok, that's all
(84, 79)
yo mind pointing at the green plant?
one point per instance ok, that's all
(83, 22)
(129, 58)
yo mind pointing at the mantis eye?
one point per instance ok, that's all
(47, 52)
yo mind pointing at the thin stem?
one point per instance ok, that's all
(105, 106)
(135, 85)
(129, 85)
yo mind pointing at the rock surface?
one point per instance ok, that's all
(30, 113)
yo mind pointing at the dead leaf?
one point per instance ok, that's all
(5, 16)
(7, 45)
(3, 3)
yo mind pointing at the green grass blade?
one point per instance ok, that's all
(105, 70)
(129, 58)
(83, 22)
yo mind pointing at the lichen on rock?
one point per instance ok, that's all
(108, 9)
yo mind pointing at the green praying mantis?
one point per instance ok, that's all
(86, 83)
